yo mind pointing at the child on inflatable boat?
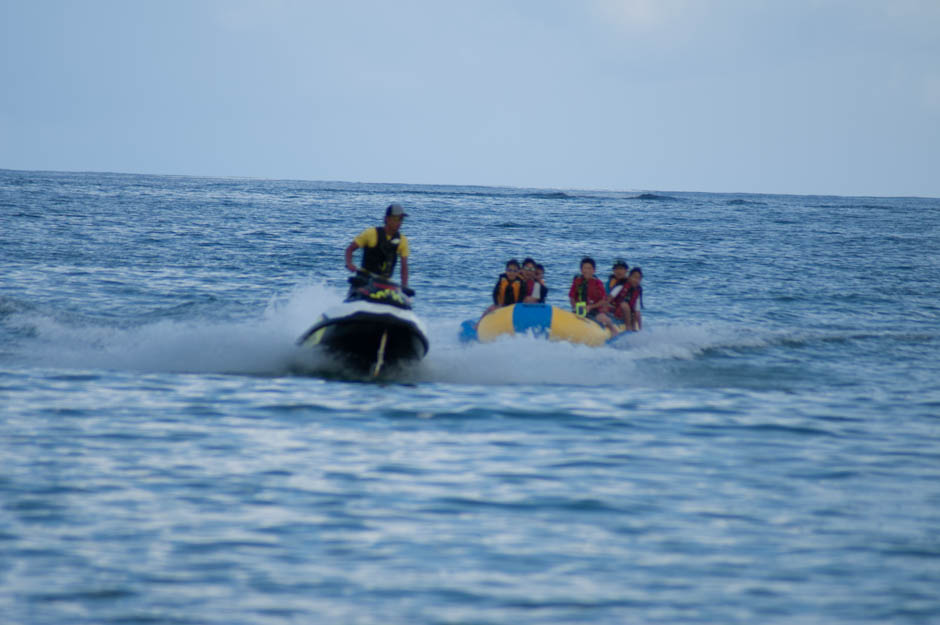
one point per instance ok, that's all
(624, 293)
(515, 285)
(589, 297)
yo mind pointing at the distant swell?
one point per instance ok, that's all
(551, 195)
(655, 197)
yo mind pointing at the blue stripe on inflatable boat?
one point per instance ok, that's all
(468, 331)
(532, 317)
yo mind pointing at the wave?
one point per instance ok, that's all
(12, 305)
(845, 337)
(497, 192)
(299, 188)
(173, 343)
(193, 339)
(551, 195)
(655, 197)
(848, 205)
(471, 191)
(631, 360)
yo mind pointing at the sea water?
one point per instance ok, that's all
(767, 450)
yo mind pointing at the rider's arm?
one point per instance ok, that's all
(404, 271)
(349, 252)
(367, 238)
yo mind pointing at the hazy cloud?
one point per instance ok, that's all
(932, 92)
(645, 15)
(815, 96)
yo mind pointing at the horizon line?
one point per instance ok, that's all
(457, 185)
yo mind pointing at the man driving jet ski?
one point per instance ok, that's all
(381, 247)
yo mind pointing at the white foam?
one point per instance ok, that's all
(265, 345)
(529, 360)
(520, 360)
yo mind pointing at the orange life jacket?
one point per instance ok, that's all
(507, 291)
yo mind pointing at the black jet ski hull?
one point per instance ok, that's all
(357, 339)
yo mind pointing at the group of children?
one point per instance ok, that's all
(621, 298)
(619, 301)
(525, 284)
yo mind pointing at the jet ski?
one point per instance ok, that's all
(373, 328)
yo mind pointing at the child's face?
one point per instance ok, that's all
(620, 271)
(512, 270)
(635, 279)
(539, 274)
(528, 270)
(587, 270)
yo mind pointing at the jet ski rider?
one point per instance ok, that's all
(381, 246)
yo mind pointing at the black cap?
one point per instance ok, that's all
(621, 263)
(395, 210)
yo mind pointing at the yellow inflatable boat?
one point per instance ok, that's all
(551, 322)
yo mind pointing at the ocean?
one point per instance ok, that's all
(766, 450)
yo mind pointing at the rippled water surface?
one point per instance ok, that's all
(766, 451)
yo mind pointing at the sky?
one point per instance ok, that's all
(834, 97)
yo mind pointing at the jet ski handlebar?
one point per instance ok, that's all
(363, 277)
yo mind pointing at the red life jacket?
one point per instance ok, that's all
(590, 291)
(632, 294)
(629, 294)
(617, 294)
